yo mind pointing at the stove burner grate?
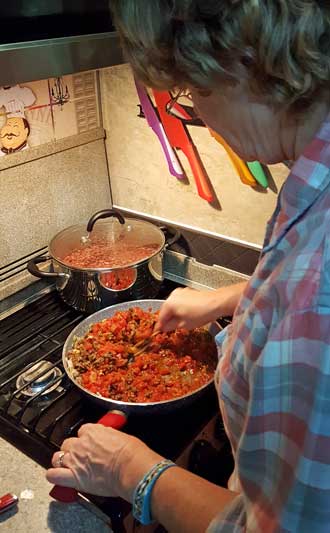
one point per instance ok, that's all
(40, 406)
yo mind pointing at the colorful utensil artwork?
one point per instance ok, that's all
(173, 163)
(178, 138)
(241, 168)
(258, 172)
(249, 172)
(172, 134)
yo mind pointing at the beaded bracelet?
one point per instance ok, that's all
(142, 493)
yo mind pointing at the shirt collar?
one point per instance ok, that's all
(309, 176)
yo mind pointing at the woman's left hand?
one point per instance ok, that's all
(102, 461)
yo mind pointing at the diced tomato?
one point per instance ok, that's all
(88, 346)
(177, 362)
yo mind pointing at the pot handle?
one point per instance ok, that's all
(172, 234)
(34, 270)
(113, 419)
(104, 213)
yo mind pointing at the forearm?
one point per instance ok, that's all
(182, 501)
(223, 301)
(191, 308)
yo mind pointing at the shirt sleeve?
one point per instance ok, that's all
(283, 456)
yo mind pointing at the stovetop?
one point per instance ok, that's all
(36, 417)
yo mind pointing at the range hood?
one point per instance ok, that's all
(37, 60)
(42, 39)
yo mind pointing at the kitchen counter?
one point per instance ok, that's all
(18, 473)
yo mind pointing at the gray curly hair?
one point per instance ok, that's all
(284, 46)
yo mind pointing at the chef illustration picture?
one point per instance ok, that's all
(16, 130)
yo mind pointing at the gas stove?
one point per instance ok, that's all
(40, 406)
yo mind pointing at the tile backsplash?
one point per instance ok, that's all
(58, 166)
(141, 183)
(43, 196)
(53, 169)
(35, 113)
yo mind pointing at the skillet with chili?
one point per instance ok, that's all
(175, 364)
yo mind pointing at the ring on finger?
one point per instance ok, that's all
(60, 460)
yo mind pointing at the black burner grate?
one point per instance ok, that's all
(36, 334)
(37, 425)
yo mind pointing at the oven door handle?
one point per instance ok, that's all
(33, 268)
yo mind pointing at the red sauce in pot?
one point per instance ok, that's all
(175, 364)
(118, 280)
(108, 255)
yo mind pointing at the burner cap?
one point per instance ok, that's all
(38, 379)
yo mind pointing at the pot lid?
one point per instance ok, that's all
(107, 244)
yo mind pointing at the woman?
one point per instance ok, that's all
(259, 73)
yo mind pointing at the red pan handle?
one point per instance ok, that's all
(201, 180)
(113, 419)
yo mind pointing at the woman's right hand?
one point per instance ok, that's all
(185, 308)
(189, 308)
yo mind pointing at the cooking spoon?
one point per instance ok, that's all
(141, 346)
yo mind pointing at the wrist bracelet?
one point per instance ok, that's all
(142, 493)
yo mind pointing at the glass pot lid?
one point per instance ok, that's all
(107, 244)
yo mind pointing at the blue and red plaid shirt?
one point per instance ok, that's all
(274, 372)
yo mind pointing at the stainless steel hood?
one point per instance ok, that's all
(41, 39)
(41, 59)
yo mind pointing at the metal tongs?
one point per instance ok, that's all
(141, 346)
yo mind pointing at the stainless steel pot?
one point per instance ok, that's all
(87, 289)
(129, 408)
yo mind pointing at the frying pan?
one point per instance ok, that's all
(118, 411)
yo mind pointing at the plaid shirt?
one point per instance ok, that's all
(274, 373)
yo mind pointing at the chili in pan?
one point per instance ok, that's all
(176, 363)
